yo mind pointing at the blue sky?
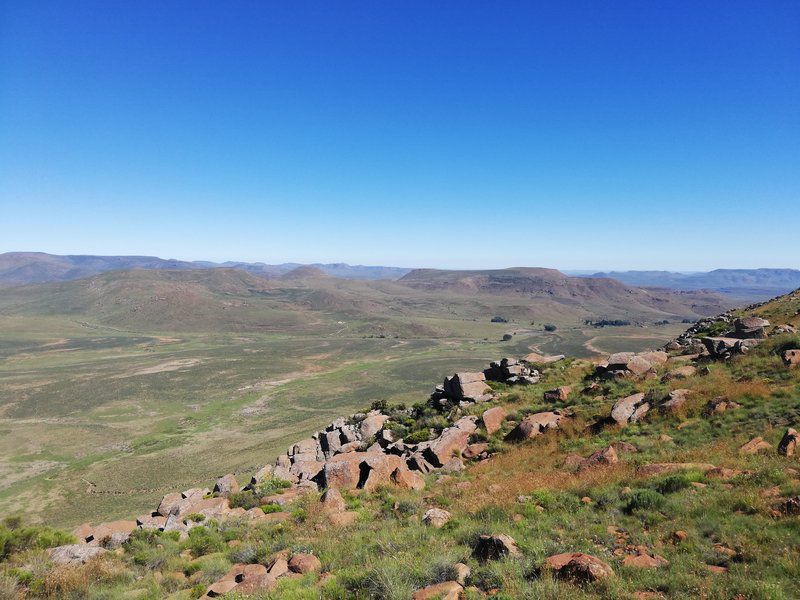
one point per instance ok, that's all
(573, 135)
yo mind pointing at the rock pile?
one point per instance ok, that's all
(512, 371)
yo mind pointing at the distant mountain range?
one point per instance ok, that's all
(752, 284)
(21, 268)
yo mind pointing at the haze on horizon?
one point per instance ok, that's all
(580, 137)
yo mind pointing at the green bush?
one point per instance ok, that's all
(203, 540)
(421, 435)
(246, 500)
(271, 486)
(271, 508)
(645, 500)
(15, 537)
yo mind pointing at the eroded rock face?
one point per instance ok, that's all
(534, 425)
(578, 567)
(630, 409)
(492, 547)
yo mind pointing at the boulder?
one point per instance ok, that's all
(112, 534)
(226, 485)
(534, 425)
(475, 450)
(74, 554)
(630, 409)
(674, 402)
(493, 547)
(304, 563)
(722, 348)
(578, 567)
(278, 566)
(493, 419)
(754, 446)
(451, 442)
(750, 328)
(462, 573)
(371, 425)
(332, 501)
(260, 476)
(447, 590)
(601, 458)
(468, 386)
(719, 405)
(788, 444)
(169, 503)
(436, 517)
(791, 358)
(343, 471)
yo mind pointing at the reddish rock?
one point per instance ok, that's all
(601, 458)
(630, 409)
(406, 479)
(578, 567)
(304, 563)
(448, 590)
(493, 419)
(436, 517)
(645, 561)
(474, 450)
(332, 501)
(754, 446)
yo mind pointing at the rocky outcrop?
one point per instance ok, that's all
(723, 348)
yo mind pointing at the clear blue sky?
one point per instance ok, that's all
(572, 135)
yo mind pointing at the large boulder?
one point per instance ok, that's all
(630, 409)
(466, 386)
(534, 425)
(578, 567)
(750, 328)
(722, 348)
(366, 470)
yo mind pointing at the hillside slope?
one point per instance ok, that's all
(643, 477)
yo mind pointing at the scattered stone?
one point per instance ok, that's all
(791, 506)
(674, 402)
(492, 547)
(664, 438)
(475, 450)
(462, 573)
(436, 517)
(683, 372)
(722, 348)
(719, 405)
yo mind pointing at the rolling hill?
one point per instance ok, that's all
(742, 284)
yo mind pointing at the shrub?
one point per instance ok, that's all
(271, 508)
(14, 537)
(203, 540)
(421, 435)
(196, 517)
(245, 500)
(271, 486)
(550, 327)
(645, 500)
